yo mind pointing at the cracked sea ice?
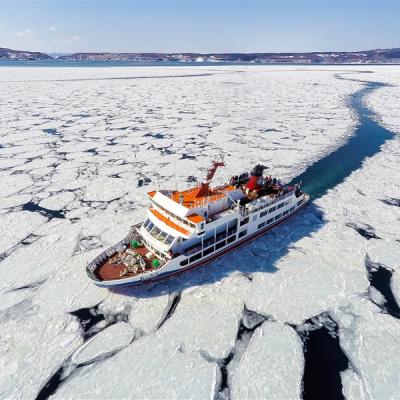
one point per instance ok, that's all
(82, 147)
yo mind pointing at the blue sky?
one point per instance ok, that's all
(199, 26)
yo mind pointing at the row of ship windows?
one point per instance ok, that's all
(274, 208)
(231, 239)
(155, 251)
(210, 240)
(157, 234)
(210, 250)
(275, 218)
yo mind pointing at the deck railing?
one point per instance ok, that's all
(120, 246)
(257, 205)
(254, 207)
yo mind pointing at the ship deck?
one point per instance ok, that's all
(114, 268)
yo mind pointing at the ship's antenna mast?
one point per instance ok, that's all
(204, 188)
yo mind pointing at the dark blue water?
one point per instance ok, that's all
(324, 359)
(331, 170)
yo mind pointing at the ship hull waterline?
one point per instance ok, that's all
(120, 282)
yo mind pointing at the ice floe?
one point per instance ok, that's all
(17, 226)
(371, 341)
(273, 363)
(80, 150)
(150, 367)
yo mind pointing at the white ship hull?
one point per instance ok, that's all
(259, 221)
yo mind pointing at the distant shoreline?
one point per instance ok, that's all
(107, 64)
(367, 57)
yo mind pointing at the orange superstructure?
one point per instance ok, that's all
(195, 218)
(168, 222)
(190, 198)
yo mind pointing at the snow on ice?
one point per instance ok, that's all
(272, 362)
(79, 149)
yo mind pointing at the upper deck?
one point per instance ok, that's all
(187, 212)
(194, 197)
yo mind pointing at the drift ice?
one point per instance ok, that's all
(187, 229)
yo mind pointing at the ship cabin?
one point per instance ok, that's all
(179, 220)
(175, 217)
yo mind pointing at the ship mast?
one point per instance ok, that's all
(205, 185)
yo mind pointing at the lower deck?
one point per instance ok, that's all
(126, 264)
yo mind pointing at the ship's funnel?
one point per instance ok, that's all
(256, 174)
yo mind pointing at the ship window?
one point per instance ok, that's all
(231, 239)
(280, 205)
(202, 226)
(219, 245)
(195, 257)
(278, 216)
(169, 239)
(232, 230)
(270, 221)
(285, 212)
(155, 232)
(245, 221)
(232, 227)
(208, 251)
(242, 233)
(292, 208)
(146, 223)
(261, 225)
(299, 202)
(150, 227)
(233, 224)
(264, 213)
(185, 262)
(208, 242)
(255, 217)
(162, 236)
(220, 236)
(288, 201)
(272, 209)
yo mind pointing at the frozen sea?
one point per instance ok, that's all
(310, 310)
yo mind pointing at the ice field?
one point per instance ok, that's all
(79, 149)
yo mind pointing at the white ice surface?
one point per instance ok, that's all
(207, 318)
(13, 184)
(14, 201)
(107, 189)
(396, 285)
(271, 367)
(371, 341)
(78, 141)
(384, 252)
(32, 346)
(155, 309)
(352, 385)
(58, 201)
(152, 367)
(112, 338)
(17, 226)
